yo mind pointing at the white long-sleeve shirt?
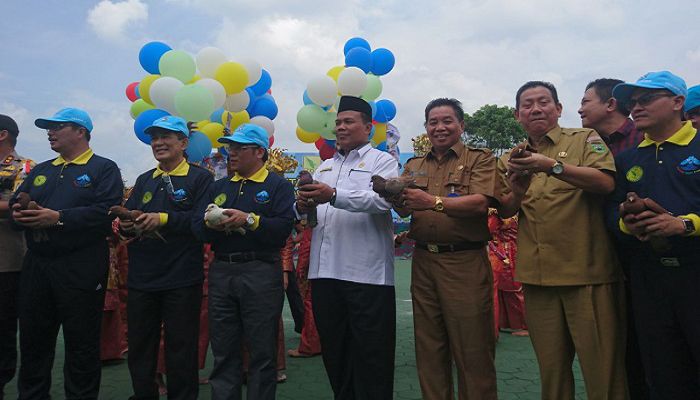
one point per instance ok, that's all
(354, 239)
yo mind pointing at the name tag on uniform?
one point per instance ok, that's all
(326, 169)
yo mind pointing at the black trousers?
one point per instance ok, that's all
(70, 291)
(665, 302)
(357, 326)
(296, 303)
(178, 311)
(9, 295)
(245, 299)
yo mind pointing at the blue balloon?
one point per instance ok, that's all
(359, 57)
(253, 97)
(198, 148)
(150, 55)
(330, 142)
(382, 61)
(217, 115)
(223, 151)
(144, 120)
(136, 91)
(381, 146)
(307, 99)
(264, 105)
(356, 42)
(386, 111)
(263, 85)
(374, 107)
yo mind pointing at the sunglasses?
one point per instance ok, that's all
(168, 184)
(646, 99)
(234, 148)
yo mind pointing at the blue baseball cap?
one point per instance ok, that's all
(248, 133)
(171, 123)
(652, 80)
(74, 115)
(693, 98)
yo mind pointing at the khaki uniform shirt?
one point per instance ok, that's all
(461, 171)
(12, 245)
(562, 239)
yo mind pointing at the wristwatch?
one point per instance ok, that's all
(60, 218)
(438, 204)
(689, 225)
(557, 168)
(250, 221)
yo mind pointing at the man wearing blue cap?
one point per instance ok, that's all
(692, 106)
(248, 219)
(165, 269)
(664, 169)
(64, 275)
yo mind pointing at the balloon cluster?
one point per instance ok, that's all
(358, 77)
(207, 89)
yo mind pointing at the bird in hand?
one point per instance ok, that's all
(124, 214)
(214, 215)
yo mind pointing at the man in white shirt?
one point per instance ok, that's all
(352, 260)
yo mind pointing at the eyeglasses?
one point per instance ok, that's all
(169, 184)
(57, 127)
(233, 148)
(646, 99)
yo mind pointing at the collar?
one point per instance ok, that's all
(259, 176)
(181, 170)
(10, 158)
(625, 129)
(456, 149)
(681, 138)
(80, 160)
(361, 151)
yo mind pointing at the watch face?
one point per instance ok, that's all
(689, 225)
(557, 169)
(250, 220)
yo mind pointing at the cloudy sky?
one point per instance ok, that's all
(83, 54)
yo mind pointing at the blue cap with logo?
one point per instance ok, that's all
(652, 80)
(248, 133)
(74, 115)
(693, 98)
(171, 123)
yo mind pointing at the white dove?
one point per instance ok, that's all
(215, 214)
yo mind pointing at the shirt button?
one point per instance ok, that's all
(661, 161)
(437, 184)
(439, 166)
(661, 148)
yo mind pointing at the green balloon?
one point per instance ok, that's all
(178, 64)
(328, 131)
(311, 118)
(373, 89)
(138, 107)
(194, 102)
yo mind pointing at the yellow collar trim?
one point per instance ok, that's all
(80, 160)
(681, 138)
(259, 176)
(181, 170)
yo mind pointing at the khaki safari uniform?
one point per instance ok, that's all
(13, 170)
(453, 290)
(574, 298)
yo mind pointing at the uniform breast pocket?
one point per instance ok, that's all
(421, 182)
(360, 178)
(457, 184)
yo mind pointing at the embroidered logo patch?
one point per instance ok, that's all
(635, 173)
(220, 199)
(262, 197)
(39, 180)
(690, 165)
(598, 146)
(146, 197)
(179, 195)
(83, 181)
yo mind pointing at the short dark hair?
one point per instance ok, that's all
(604, 87)
(444, 101)
(533, 84)
(75, 126)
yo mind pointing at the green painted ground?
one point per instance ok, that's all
(518, 377)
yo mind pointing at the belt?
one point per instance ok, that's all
(679, 261)
(246, 256)
(448, 248)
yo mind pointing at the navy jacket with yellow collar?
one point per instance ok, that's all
(177, 259)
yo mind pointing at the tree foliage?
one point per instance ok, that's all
(493, 127)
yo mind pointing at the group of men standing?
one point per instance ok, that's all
(564, 184)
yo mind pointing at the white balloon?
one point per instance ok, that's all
(208, 60)
(237, 102)
(254, 70)
(217, 90)
(162, 93)
(265, 123)
(322, 90)
(352, 81)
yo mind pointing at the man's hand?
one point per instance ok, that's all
(519, 183)
(318, 192)
(418, 200)
(236, 219)
(536, 162)
(148, 221)
(127, 226)
(35, 219)
(305, 207)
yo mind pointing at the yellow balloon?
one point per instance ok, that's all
(194, 79)
(237, 118)
(145, 87)
(379, 134)
(232, 76)
(307, 137)
(334, 72)
(213, 131)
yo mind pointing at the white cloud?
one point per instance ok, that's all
(110, 19)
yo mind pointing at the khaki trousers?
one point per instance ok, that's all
(588, 320)
(454, 319)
